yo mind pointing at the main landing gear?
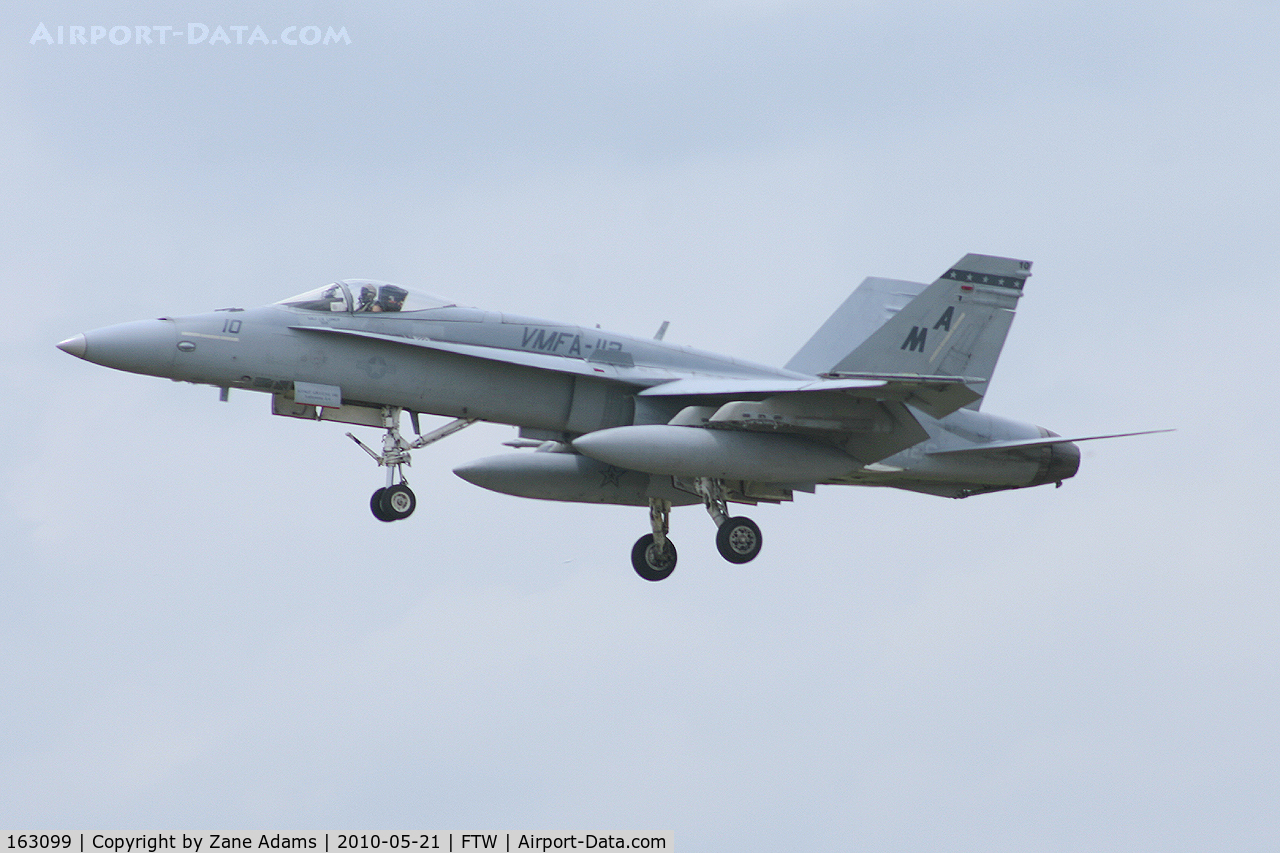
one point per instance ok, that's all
(738, 539)
(654, 555)
(395, 500)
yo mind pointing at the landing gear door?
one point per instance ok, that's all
(289, 407)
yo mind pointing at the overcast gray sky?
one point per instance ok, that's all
(205, 628)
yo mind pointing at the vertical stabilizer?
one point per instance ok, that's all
(868, 308)
(955, 327)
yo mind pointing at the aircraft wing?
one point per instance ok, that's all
(937, 395)
(730, 388)
(643, 376)
(866, 415)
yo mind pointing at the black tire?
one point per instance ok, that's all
(651, 564)
(398, 502)
(375, 504)
(739, 540)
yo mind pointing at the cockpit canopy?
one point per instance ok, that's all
(360, 296)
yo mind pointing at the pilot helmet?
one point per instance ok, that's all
(393, 297)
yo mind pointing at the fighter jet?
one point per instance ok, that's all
(887, 392)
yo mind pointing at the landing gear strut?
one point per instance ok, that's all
(395, 500)
(738, 539)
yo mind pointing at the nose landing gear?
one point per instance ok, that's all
(395, 500)
(393, 503)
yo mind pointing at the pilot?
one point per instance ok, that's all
(368, 296)
(392, 298)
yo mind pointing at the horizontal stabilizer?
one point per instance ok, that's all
(1006, 446)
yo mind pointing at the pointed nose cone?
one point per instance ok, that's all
(145, 346)
(75, 346)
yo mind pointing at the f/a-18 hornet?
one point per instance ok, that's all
(886, 393)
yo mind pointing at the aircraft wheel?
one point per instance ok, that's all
(650, 563)
(397, 502)
(739, 540)
(375, 504)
